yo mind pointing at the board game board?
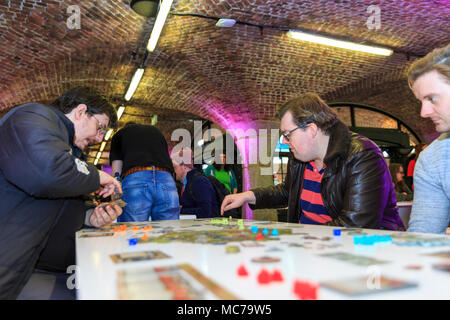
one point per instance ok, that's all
(243, 259)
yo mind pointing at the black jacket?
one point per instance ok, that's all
(356, 188)
(41, 181)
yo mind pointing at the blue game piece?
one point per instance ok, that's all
(254, 229)
(265, 231)
(274, 232)
(337, 232)
(132, 242)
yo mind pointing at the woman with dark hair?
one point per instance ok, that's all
(224, 173)
(402, 191)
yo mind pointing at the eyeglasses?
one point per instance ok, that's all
(287, 134)
(101, 127)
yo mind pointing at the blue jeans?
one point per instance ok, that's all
(150, 193)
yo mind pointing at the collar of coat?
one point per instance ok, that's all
(77, 152)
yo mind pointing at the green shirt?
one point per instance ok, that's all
(224, 177)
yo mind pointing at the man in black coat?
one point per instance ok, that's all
(42, 179)
(334, 177)
(198, 196)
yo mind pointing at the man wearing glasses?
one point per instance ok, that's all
(334, 177)
(42, 180)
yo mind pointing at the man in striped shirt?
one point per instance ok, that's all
(335, 177)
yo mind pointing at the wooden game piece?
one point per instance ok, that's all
(264, 277)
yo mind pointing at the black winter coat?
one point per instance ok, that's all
(41, 181)
(356, 188)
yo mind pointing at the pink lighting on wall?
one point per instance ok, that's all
(246, 140)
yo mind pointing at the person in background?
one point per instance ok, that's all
(409, 179)
(334, 177)
(429, 80)
(198, 196)
(224, 173)
(402, 191)
(42, 181)
(139, 154)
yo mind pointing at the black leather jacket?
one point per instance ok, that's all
(356, 188)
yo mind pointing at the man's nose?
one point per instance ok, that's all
(426, 110)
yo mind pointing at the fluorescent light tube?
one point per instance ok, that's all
(339, 43)
(120, 112)
(159, 23)
(108, 134)
(134, 83)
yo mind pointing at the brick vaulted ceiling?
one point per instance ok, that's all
(225, 75)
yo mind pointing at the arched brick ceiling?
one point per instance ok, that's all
(242, 73)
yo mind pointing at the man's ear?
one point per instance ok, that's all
(314, 129)
(80, 110)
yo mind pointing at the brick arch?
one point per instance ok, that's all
(389, 92)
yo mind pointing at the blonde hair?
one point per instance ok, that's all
(438, 59)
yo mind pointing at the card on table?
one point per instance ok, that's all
(138, 256)
(353, 258)
(367, 285)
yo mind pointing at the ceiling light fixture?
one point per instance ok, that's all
(225, 23)
(146, 8)
(108, 134)
(102, 147)
(120, 112)
(338, 43)
(159, 23)
(134, 83)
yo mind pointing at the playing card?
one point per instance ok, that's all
(138, 256)
(353, 258)
(119, 202)
(367, 285)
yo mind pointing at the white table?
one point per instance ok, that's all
(404, 210)
(299, 257)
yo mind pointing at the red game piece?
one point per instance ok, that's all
(259, 236)
(305, 290)
(242, 271)
(277, 276)
(264, 277)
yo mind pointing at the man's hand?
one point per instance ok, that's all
(104, 215)
(110, 184)
(232, 201)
